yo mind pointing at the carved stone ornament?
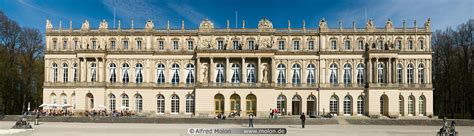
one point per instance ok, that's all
(205, 44)
(85, 26)
(323, 24)
(103, 25)
(265, 24)
(265, 42)
(206, 24)
(48, 24)
(149, 24)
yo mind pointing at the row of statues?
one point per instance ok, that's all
(263, 24)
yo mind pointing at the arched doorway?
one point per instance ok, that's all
(296, 105)
(235, 103)
(281, 104)
(219, 104)
(89, 101)
(384, 105)
(311, 105)
(251, 100)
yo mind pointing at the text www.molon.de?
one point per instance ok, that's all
(237, 130)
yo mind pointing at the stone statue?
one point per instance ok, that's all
(149, 24)
(103, 25)
(206, 24)
(205, 43)
(204, 73)
(389, 24)
(428, 24)
(48, 24)
(323, 24)
(85, 26)
(265, 43)
(264, 73)
(370, 24)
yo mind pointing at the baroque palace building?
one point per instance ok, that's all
(206, 71)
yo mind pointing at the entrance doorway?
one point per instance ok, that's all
(251, 104)
(311, 103)
(296, 105)
(219, 104)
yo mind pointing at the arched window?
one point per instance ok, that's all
(65, 73)
(175, 70)
(399, 73)
(281, 103)
(111, 102)
(189, 103)
(138, 72)
(251, 104)
(347, 105)
(360, 105)
(251, 78)
(361, 44)
(63, 99)
(93, 72)
(160, 74)
(422, 106)
(347, 74)
(220, 73)
(125, 77)
(281, 74)
(333, 77)
(360, 74)
(234, 103)
(347, 45)
(411, 105)
(398, 44)
(311, 77)
(75, 78)
(235, 73)
(174, 103)
(160, 103)
(380, 72)
(125, 102)
(190, 74)
(421, 74)
(296, 74)
(55, 72)
(113, 75)
(333, 105)
(401, 105)
(410, 74)
(219, 104)
(138, 103)
(53, 99)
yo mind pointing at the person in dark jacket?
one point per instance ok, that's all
(303, 119)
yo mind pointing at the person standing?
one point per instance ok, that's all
(251, 120)
(303, 119)
(37, 118)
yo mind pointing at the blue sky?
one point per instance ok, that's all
(33, 13)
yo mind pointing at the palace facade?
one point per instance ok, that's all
(345, 71)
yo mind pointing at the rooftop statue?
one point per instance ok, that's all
(85, 26)
(389, 24)
(370, 24)
(265, 24)
(206, 24)
(103, 25)
(48, 24)
(323, 24)
(149, 24)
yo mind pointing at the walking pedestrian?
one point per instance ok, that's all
(303, 119)
(251, 120)
(37, 117)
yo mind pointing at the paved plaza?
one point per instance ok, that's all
(137, 129)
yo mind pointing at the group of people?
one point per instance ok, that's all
(104, 113)
(274, 113)
(52, 112)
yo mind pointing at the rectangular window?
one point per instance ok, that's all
(125, 44)
(281, 45)
(175, 45)
(361, 45)
(139, 45)
(65, 45)
(236, 45)
(410, 45)
(296, 45)
(311, 45)
(190, 45)
(220, 45)
(112, 45)
(54, 45)
(421, 45)
(251, 46)
(75, 74)
(75, 44)
(94, 45)
(399, 44)
(347, 45)
(333, 45)
(161, 45)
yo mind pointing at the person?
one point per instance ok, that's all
(271, 113)
(37, 118)
(303, 118)
(251, 120)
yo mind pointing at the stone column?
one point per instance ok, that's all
(274, 73)
(369, 71)
(82, 71)
(376, 67)
(212, 70)
(244, 71)
(228, 74)
(389, 80)
(97, 70)
(259, 74)
(415, 72)
(340, 72)
(198, 71)
(303, 72)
